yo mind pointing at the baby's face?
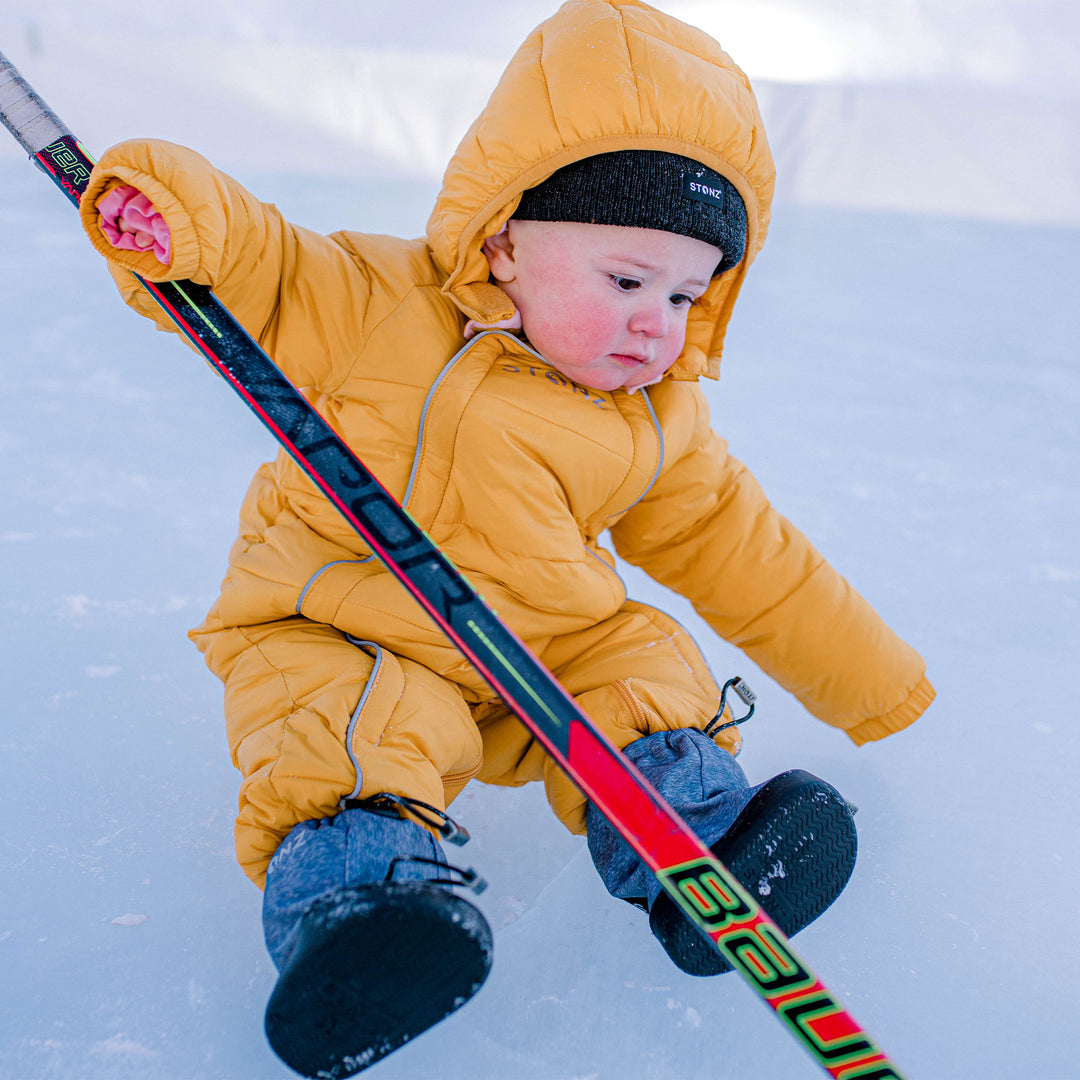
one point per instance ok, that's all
(605, 305)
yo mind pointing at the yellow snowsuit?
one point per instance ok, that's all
(336, 683)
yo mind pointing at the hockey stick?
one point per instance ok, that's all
(698, 883)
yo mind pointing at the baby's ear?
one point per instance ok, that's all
(500, 255)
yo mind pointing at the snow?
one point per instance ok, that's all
(905, 383)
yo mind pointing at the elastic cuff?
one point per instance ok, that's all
(185, 249)
(905, 714)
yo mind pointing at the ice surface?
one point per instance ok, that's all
(906, 387)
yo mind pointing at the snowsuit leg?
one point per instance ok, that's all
(634, 674)
(314, 718)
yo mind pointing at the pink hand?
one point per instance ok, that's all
(129, 220)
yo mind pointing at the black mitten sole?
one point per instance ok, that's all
(792, 848)
(374, 966)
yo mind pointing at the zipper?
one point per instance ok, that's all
(636, 709)
(466, 776)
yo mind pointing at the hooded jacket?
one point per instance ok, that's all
(515, 472)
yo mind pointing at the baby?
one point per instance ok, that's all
(525, 381)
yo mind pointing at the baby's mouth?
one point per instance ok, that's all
(629, 360)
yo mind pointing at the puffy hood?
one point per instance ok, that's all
(598, 76)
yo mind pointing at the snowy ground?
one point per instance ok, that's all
(908, 390)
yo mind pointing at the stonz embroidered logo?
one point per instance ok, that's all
(557, 379)
(702, 192)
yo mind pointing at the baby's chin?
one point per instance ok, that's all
(632, 381)
(632, 388)
(607, 381)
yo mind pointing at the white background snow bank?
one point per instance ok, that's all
(968, 107)
(907, 389)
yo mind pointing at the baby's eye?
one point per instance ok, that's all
(682, 300)
(626, 284)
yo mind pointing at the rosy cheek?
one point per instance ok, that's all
(676, 343)
(579, 335)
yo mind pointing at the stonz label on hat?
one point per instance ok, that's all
(702, 191)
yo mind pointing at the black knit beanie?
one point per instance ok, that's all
(647, 189)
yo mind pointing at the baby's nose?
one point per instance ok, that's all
(651, 320)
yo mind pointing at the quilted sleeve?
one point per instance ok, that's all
(707, 531)
(264, 269)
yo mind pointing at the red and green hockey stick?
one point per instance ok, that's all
(703, 888)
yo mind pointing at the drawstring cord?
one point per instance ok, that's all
(387, 805)
(467, 879)
(745, 695)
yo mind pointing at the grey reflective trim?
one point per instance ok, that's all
(318, 573)
(359, 708)
(424, 415)
(506, 334)
(659, 464)
(604, 563)
(435, 386)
